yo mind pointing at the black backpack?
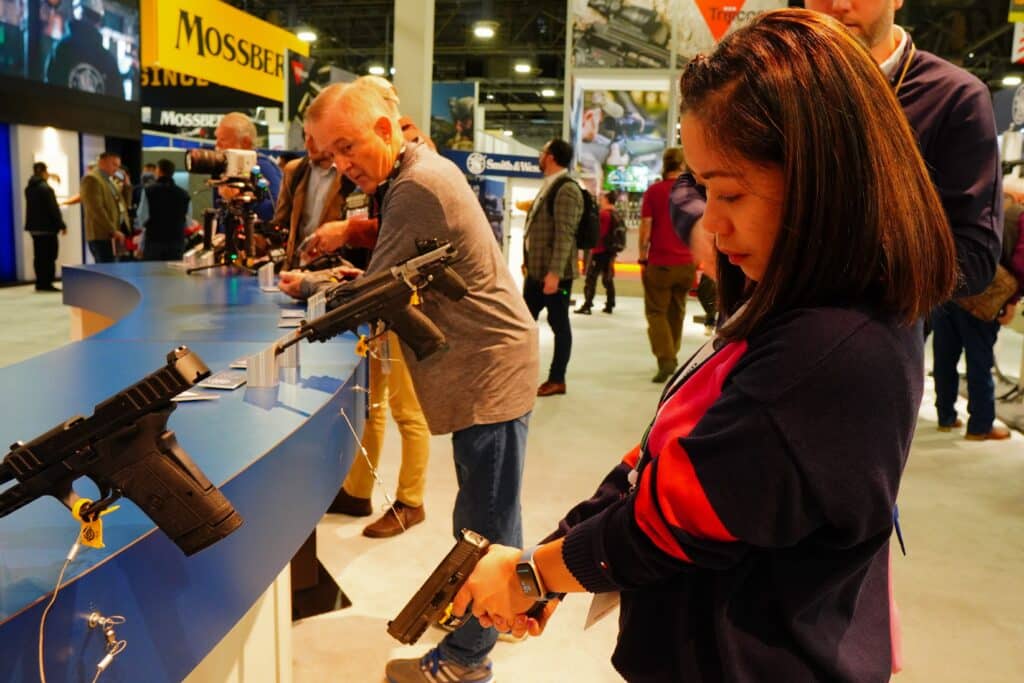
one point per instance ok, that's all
(588, 230)
(615, 240)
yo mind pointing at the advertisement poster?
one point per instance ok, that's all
(305, 77)
(617, 34)
(452, 108)
(619, 136)
(87, 45)
(702, 23)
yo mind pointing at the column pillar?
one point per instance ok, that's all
(414, 58)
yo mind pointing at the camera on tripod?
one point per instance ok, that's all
(240, 184)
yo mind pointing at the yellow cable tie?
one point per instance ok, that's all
(92, 531)
(362, 347)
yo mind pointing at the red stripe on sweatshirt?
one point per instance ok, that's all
(680, 495)
(632, 457)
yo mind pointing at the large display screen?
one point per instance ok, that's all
(86, 45)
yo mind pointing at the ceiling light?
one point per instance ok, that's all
(377, 70)
(547, 92)
(490, 96)
(485, 29)
(1011, 81)
(392, 71)
(306, 35)
(522, 68)
(507, 133)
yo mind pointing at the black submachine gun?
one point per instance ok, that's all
(386, 296)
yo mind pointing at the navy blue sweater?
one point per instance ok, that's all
(755, 546)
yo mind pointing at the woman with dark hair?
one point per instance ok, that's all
(748, 532)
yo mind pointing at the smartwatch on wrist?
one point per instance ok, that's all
(529, 578)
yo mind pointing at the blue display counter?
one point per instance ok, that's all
(278, 454)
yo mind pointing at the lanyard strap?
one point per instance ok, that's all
(906, 68)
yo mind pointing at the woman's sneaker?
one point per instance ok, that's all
(433, 668)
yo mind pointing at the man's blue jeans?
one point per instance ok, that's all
(955, 330)
(489, 469)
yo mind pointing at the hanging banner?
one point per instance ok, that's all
(211, 40)
(1017, 51)
(452, 115)
(700, 24)
(622, 34)
(1016, 11)
(619, 137)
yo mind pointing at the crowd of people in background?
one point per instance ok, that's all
(790, 265)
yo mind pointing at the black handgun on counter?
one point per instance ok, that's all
(127, 450)
(386, 296)
(431, 601)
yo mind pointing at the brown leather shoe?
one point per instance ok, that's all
(388, 525)
(551, 388)
(344, 504)
(948, 428)
(996, 434)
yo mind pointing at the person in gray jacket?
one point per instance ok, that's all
(481, 389)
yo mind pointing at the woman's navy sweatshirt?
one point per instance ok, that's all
(755, 544)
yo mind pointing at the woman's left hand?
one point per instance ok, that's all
(495, 593)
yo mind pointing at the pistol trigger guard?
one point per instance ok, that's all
(65, 493)
(91, 511)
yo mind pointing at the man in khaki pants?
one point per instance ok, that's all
(668, 270)
(390, 384)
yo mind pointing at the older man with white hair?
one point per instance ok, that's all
(481, 389)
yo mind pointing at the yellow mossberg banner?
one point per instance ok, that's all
(212, 40)
(1016, 11)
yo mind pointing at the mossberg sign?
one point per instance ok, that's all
(214, 41)
(189, 119)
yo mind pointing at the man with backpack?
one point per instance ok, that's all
(611, 242)
(550, 246)
(667, 268)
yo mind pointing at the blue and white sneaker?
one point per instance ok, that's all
(433, 668)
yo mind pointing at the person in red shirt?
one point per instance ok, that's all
(602, 260)
(667, 267)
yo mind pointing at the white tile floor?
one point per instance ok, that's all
(962, 506)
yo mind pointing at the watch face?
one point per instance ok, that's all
(528, 581)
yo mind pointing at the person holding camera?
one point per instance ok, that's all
(237, 131)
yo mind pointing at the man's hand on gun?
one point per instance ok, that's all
(329, 237)
(357, 231)
(300, 284)
(494, 595)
